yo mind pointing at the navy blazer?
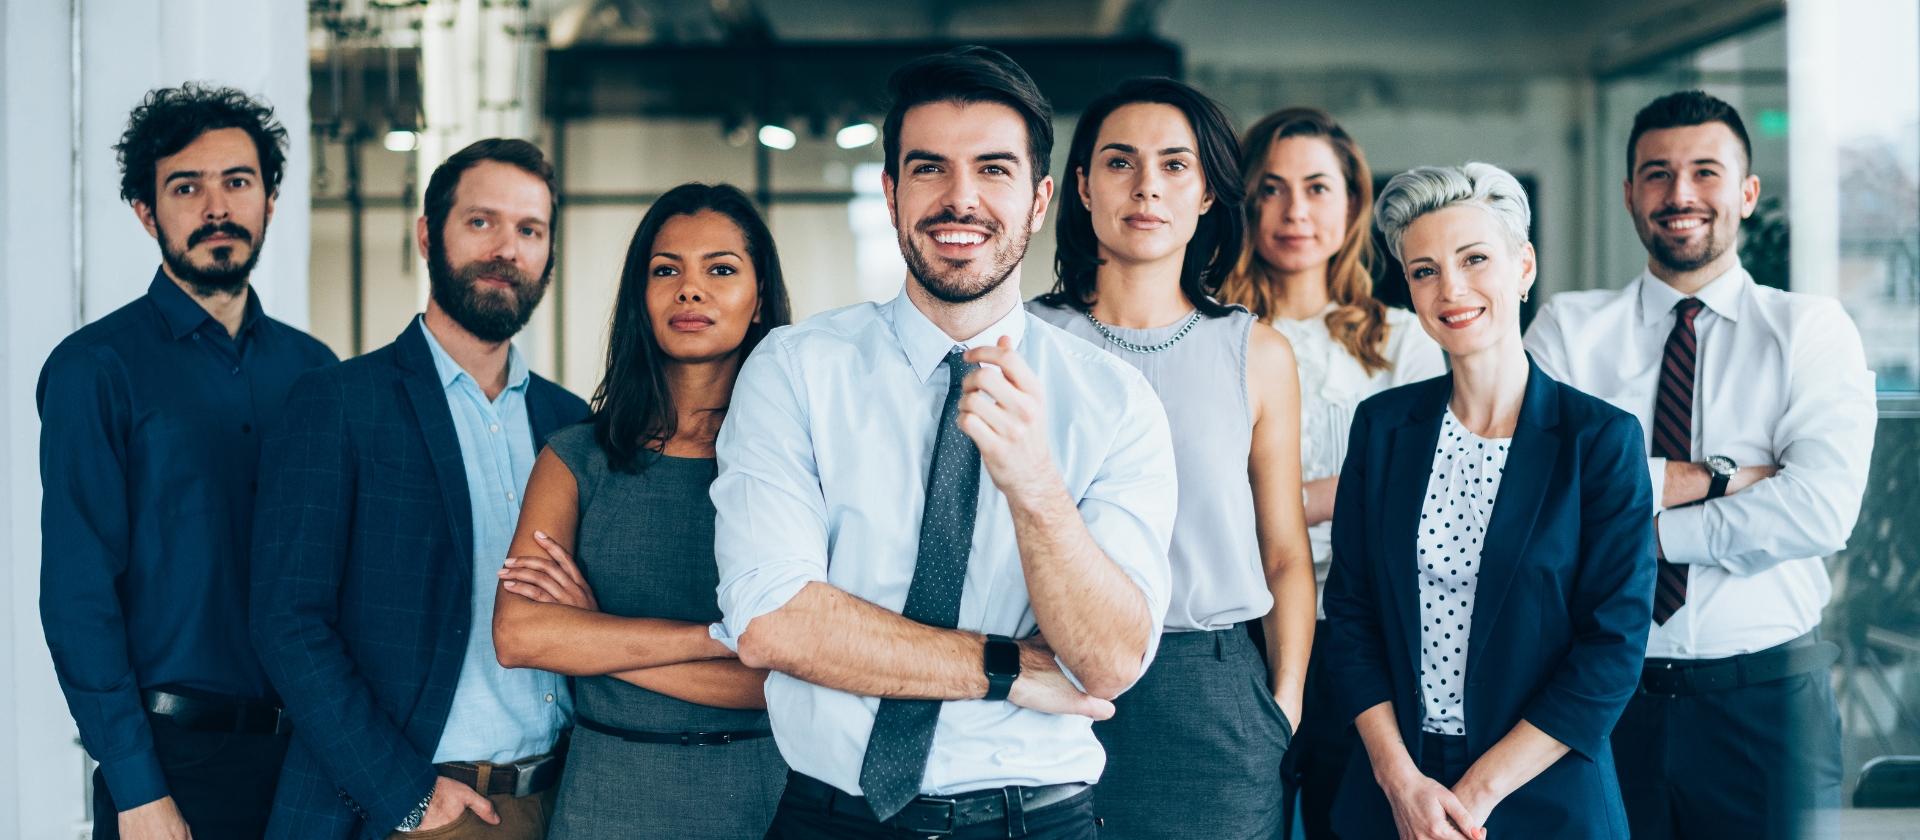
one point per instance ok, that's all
(1561, 610)
(363, 582)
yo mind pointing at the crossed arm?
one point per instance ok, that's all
(1095, 620)
(545, 615)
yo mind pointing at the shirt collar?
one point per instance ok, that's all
(926, 345)
(184, 315)
(450, 371)
(1722, 295)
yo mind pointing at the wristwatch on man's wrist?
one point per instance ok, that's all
(1721, 468)
(1001, 661)
(412, 821)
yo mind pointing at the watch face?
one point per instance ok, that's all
(1721, 465)
(1002, 659)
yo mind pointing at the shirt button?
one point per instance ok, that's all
(509, 495)
(549, 696)
(495, 428)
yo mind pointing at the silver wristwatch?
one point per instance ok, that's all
(413, 818)
(1720, 470)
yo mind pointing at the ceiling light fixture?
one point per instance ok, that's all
(856, 135)
(777, 137)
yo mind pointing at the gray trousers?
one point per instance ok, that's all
(1194, 748)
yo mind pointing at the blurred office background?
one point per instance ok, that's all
(781, 97)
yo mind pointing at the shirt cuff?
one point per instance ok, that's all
(771, 595)
(1683, 537)
(134, 780)
(1657, 473)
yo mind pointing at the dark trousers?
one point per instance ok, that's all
(1317, 759)
(1750, 762)
(802, 819)
(222, 782)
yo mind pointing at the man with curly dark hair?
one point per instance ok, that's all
(151, 422)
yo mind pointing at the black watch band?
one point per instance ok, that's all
(1720, 470)
(1001, 661)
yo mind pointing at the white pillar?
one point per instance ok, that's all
(64, 266)
(1821, 63)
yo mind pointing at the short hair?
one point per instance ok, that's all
(1428, 189)
(1685, 108)
(968, 75)
(169, 119)
(1215, 245)
(511, 151)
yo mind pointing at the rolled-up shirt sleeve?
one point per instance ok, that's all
(770, 522)
(1129, 506)
(85, 545)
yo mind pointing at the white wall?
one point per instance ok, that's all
(59, 274)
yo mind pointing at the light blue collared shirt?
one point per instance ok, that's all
(498, 714)
(823, 475)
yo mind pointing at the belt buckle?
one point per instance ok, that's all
(1669, 677)
(952, 807)
(523, 774)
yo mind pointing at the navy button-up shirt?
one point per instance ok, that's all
(151, 421)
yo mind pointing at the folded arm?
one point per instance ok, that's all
(1823, 442)
(533, 630)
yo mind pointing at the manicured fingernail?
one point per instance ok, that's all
(542, 535)
(508, 584)
(502, 573)
(509, 561)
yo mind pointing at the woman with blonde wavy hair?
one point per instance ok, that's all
(1306, 267)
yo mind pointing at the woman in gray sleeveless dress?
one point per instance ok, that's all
(1153, 223)
(612, 578)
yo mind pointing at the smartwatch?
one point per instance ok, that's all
(1002, 664)
(1722, 469)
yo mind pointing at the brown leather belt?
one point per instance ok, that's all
(522, 778)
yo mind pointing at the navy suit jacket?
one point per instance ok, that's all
(1561, 611)
(363, 581)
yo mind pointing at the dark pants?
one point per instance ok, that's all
(222, 782)
(799, 818)
(1750, 762)
(1317, 758)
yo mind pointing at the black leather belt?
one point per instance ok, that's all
(1681, 677)
(522, 778)
(939, 814)
(685, 739)
(218, 713)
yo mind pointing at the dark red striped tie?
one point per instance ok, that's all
(1673, 436)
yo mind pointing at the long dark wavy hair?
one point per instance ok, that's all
(1216, 239)
(633, 411)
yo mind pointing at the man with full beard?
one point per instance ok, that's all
(1759, 411)
(151, 420)
(931, 511)
(387, 503)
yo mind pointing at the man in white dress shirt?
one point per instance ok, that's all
(908, 488)
(1759, 410)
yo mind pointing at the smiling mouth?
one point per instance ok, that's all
(1458, 320)
(1682, 225)
(962, 238)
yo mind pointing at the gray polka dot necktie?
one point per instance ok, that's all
(902, 736)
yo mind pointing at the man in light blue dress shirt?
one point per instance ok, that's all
(388, 501)
(906, 488)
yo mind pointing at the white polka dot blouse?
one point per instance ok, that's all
(1453, 522)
